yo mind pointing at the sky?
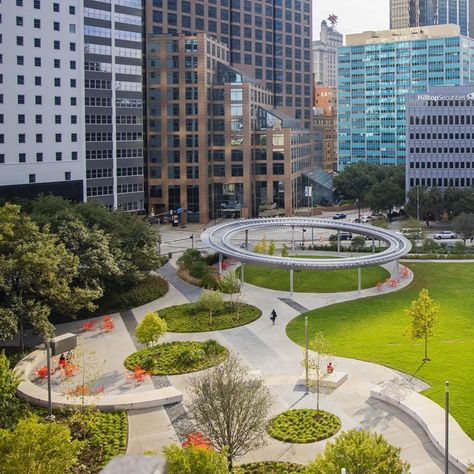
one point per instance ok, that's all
(355, 16)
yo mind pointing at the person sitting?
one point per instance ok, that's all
(330, 368)
(62, 360)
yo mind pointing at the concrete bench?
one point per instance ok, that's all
(431, 417)
(37, 395)
(334, 380)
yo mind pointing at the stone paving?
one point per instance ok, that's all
(266, 349)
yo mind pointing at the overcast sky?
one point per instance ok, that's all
(355, 16)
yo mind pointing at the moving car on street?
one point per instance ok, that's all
(445, 234)
(339, 215)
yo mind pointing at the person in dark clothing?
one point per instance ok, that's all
(273, 316)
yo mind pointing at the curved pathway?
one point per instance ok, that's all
(267, 349)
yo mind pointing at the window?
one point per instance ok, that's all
(57, 63)
(22, 157)
(2, 158)
(19, 21)
(37, 23)
(39, 138)
(57, 100)
(37, 4)
(20, 99)
(72, 10)
(19, 40)
(38, 119)
(37, 42)
(37, 80)
(39, 156)
(74, 155)
(59, 156)
(32, 178)
(38, 100)
(57, 82)
(21, 118)
(56, 26)
(20, 60)
(58, 137)
(56, 7)
(21, 138)
(67, 176)
(57, 44)
(20, 80)
(38, 62)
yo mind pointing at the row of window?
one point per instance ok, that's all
(39, 157)
(21, 100)
(20, 61)
(37, 24)
(442, 120)
(119, 119)
(37, 6)
(442, 182)
(442, 136)
(441, 164)
(58, 138)
(108, 172)
(107, 136)
(32, 177)
(445, 150)
(39, 119)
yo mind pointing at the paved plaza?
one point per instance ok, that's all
(267, 350)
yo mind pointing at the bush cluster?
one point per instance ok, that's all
(199, 267)
(269, 467)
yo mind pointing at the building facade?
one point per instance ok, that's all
(325, 55)
(413, 13)
(114, 103)
(269, 41)
(41, 99)
(216, 145)
(440, 138)
(377, 70)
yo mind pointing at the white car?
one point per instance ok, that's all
(445, 234)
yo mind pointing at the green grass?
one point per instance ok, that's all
(269, 467)
(303, 426)
(186, 317)
(375, 329)
(173, 358)
(311, 281)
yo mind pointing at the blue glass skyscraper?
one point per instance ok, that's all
(375, 72)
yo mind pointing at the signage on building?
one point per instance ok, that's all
(437, 98)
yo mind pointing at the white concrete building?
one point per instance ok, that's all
(325, 55)
(42, 145)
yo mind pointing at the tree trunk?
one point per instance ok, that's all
(22, 337)
(426, 349)
(229, 462)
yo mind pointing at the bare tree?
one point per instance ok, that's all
(231, 407)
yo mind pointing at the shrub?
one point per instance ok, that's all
(198, 269)
(189, 460)
(189, 257)
(11, 407)
(211, 347)
(148, 364)
(284, 250)
(210, 281)
(359, 451)
(212, 258)
(271, 248)
(190, 356)
(358, 243)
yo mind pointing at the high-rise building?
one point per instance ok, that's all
(41, 99)
(229, 105)
(377, 70)
(267, 40)
(325, 128)
(216, 145)
(440, 138)
(114, 103)
(325, 55)
(413, 13)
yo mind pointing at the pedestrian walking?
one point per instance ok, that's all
(273, 317)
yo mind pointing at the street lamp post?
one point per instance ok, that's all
(306, 362)
(48, 365)
(446, 427)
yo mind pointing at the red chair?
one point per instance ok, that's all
(108, 326)
(41, 373)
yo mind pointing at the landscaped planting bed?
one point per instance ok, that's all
(304, 426)
(269, 467)
(173, 358)
(187, 317)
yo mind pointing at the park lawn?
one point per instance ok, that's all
(310, 281)
(375, 329)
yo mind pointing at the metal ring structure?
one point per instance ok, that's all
(219, 238)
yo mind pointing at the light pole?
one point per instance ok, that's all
(50, 416)
(192, 240)
(302, 237)
(306, 362)
(446, 427)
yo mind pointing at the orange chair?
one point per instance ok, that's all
(100, 390)
(41, 373)
(108, 326)
(69, 370)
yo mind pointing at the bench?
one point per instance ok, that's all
(334, 380)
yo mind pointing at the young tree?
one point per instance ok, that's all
(316, 362)
(194, 460)
(211, 301)
(424, 313)
(230, 284)
(11, 406)
(464, 226)
(284, 250)
(39, 447)
(37, 275)
(231, 406)
(359, 452)
(150, 329)
(358, 243)
(271, 248)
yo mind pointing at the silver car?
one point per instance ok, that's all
(445, 234)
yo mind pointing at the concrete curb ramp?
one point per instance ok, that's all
(37, 395)
(431, 417)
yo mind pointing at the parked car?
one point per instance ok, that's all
(342, 236)
(339, 215)
(445, 234)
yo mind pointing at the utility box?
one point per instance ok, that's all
(65, 343)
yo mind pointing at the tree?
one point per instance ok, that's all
(355, 181)
(428, 203)
(11, 406)
(231, 407)
(194, 460)
(358, 243)
(284, 250)
(458, 201)
(359, 452)
(188, 258)
(464, 226)
(424, 313)
(150, 329)
(271, 248)
(316, 362)
(37, 275)
(211, 301)
(39, 447)
(412, 229)
(230, 284)
(385, 195)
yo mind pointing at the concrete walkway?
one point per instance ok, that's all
(266, 348)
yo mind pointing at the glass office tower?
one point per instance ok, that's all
(377, 70)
